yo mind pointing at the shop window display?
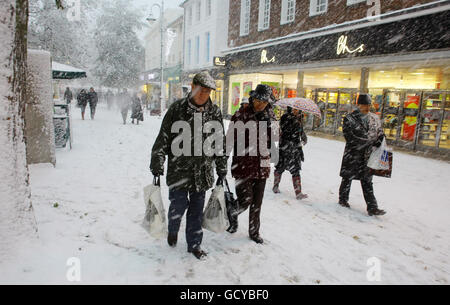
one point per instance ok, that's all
(445, 130)
(430, 119)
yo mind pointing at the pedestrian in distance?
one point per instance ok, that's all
(136, 109)
(189, 175)
(82, 100)
(124, 101)
(68, 96)
(93, 101)
(251, 170)
(363, 134)
(293, 138)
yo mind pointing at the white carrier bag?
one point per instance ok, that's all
(155, 216)
(379, 159)
(215, 217)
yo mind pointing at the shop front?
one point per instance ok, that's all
(405, 71)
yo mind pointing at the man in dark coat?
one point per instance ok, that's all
(293, 137)
(250, 167)
(136, 110)
(82, 100)
(189, 173)
(68, 96)
(363, 133)
(93, 100)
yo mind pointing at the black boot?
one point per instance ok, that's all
(257, 239)
(198, 253)
(344, 204)
(233, 224)
(172, 239)
(376, 212)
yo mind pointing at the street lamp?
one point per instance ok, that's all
(161, 20)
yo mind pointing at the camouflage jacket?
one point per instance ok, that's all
(188, 172)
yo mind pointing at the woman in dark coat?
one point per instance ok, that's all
(252, 171)
(293, 137)
(363, 132)
(82, 99)
(136, 110)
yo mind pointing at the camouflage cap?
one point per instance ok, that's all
(205, 80)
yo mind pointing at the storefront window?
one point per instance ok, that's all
(430, 118)
(445, 131)
(391, 120)
(405, 78)
(410, 112)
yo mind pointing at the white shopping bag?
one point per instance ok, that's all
(215, 217)
(379, 159)
(155, 216)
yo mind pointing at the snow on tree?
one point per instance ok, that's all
(16, 212)
(120, 53)
(68, 40)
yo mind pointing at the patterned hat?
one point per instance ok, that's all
(263, 93)
(205, 80)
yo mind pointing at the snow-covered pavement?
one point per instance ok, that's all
(90, 207)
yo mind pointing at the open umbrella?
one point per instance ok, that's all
(303, 104)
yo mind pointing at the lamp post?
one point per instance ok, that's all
(161, 20)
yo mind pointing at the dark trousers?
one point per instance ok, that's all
(92, 106)
(194, 202)
(367, 187)
(250, 193)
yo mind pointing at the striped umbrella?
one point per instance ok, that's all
(303, 104)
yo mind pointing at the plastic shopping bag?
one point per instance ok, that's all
(155, 216)
(215, 217)
(379, 159)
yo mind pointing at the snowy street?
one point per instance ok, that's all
(91, 207)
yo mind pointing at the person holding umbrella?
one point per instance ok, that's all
(293, 137)
(252, 171)
(362, 131)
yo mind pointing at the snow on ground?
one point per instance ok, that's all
(98, 185)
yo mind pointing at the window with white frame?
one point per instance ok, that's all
(264, 15)
(351, 2)
(317, 7)
(197, 50)
(245, 17)
(287, 11)
(189, 52)
(208, 47)
(199, 10)
(190, 15)
(208, 8)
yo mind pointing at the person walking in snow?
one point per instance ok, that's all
(93, 100)
(68, 96)
(250, 167)
(82, 100)
(189, 175)
(363, 133)
(124, 102)
(109, 99)
(136, 109)
(293, 137)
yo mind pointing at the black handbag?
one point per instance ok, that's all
(231, 203)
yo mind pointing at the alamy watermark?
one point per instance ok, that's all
(260, 136)
(374, 272)
(73, 273)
